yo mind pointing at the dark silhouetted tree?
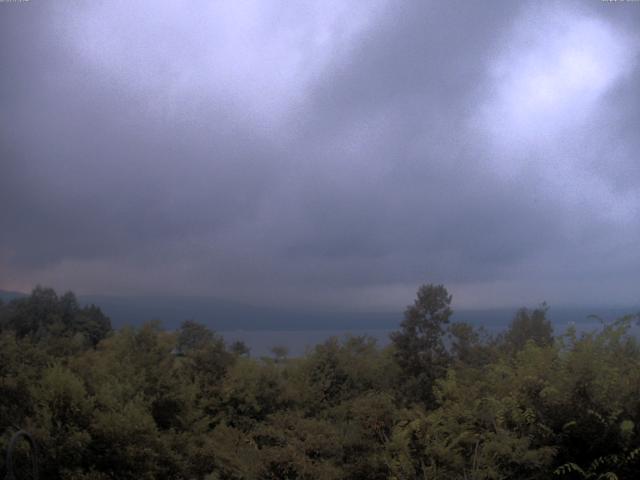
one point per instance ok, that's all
(193, 336)
(529, 325)
(280, 353)
(419, 347)
(239, 348)
(43, 316)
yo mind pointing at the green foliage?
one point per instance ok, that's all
(280, 353)
(193, 336)
(419, 345)
(471, 347)
(529, 326)
(58, 322)
(239, 348)
(608, 467)
(143, 403)
(252, 391)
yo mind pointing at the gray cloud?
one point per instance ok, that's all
(310, 156)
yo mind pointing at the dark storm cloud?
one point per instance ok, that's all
(423, 58)
(433, 199)
(90, 172)
(273, 153)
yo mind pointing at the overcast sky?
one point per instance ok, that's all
(322, 153)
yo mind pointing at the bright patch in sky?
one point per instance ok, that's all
(551, 76)
(547, 107)
(255, 57)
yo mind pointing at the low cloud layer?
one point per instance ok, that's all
(334, 155)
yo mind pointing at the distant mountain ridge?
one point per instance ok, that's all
(7, 295)
(224, 315)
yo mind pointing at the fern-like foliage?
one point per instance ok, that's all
(611, 462)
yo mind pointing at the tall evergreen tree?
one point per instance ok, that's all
(419, 346)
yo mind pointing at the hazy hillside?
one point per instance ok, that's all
(439, 400)
(7, 296)
(224, 315)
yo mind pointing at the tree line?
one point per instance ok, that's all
(445, 400)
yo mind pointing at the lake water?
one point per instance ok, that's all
(299, 341)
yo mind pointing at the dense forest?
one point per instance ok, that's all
(444, 400)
